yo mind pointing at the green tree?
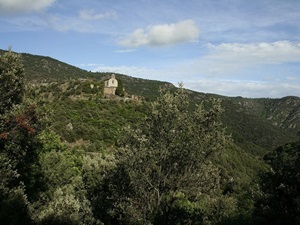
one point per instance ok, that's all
(19, 125)
(14, 208)
(167, 156)
(280, 202)
(120, 89)
(40, 178)
(11, 80)
(18, 141)
(64, 200)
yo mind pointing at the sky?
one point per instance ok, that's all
(248, 48)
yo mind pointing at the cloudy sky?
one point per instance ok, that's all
(228, 47)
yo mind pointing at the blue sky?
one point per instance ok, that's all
(228, 47)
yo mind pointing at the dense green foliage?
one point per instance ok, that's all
(280, 201)
(11, 80)
(164, 166)
(253, 133)
(98, 123)
(41, 180)
(18, 147)
(120, 91)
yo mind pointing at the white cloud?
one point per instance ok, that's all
(64, 23)
(163, 34)
(293, 78)
(199, 77)
(234, 69)
(20, 6)
(92, 15)
(125, 50)
(84, 65)
(253, 89)
(87, 21)
(229, 59)
(259, 53)
(129, 70)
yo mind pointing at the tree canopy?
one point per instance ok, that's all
(164, 165)
(11, 79)
(280, 202)
(40, 179)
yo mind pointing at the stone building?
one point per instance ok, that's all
(110, 85)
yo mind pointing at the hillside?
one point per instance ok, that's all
(81, 115)
(88, 132)
(256, 124)
(262, 122)
(41, 69)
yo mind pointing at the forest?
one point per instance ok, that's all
(68, 155)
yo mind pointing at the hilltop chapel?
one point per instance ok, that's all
(110, 85)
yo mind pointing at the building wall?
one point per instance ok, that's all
(109, 90)
(110, 86)
(112, 82)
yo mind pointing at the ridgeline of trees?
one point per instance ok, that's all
(168, 167)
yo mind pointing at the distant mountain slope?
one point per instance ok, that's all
(247, 120)
(285, 113)
(258, 125)
(42, 69)
(45, 69)
(282, 112)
